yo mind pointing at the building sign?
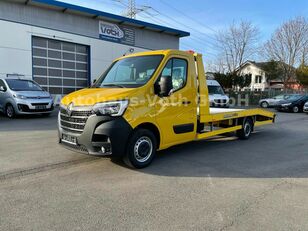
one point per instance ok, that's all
(114, 33)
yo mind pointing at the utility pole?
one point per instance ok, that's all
(132, 10)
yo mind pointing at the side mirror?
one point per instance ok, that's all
(2, 89)
(164, 86)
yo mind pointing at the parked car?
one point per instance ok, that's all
(23, 96)
(217, 96)
(292, 104)
(306, 107)
(272, 102)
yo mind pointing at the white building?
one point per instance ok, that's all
(64, 47)
(258, 76)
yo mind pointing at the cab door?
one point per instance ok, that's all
(176, 114)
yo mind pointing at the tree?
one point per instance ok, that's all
(288, 45)
(230, 81)
(273, 70)
(302, 74)
(237, 44)
(224, 80)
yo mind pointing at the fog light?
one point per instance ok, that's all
(103, 150)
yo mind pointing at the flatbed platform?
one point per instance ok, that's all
(231, 118)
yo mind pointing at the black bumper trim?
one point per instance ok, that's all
(117, 129)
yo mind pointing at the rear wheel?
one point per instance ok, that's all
(295, 109)
(245, 132)
(141, 149)
(9, 111)
(264, 104)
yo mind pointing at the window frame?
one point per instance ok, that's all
(187, 68)
(102, 77)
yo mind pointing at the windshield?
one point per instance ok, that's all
(294, 97)
(215, 90)
(130, 72)
(23, 85)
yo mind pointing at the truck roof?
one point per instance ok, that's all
(157, 52)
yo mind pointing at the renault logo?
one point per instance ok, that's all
(69, 109)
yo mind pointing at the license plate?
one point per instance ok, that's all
(69, 139)
(40, 107)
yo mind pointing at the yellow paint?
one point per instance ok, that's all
(217, 132)
(146, 107)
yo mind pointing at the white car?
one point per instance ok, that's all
(306, 107)
(217, 96)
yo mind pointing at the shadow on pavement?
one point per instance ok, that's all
(36, 122)
(265, 155)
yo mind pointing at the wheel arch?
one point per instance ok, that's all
(243, 119)
(153, 128)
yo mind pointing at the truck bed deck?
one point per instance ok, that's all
(223, 110)
(217, 115)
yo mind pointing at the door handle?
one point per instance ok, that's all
(186, 102)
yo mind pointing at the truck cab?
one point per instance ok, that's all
(146, 102)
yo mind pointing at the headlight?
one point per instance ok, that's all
(286, 104)
(114, 108)
(20, 96)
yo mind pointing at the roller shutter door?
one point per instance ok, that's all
(60, 67)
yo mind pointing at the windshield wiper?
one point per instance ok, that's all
(112, 85)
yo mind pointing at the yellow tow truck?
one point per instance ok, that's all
(146, 102)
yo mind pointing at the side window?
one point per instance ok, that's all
(177, 70)
(2, 86)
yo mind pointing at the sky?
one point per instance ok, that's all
(203, 18)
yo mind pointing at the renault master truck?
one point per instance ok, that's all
(146, 102)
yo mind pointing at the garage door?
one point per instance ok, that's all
(60, 67)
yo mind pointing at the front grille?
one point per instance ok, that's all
(39, 104)
(220, 101)
(25, 108)
(75, 120)
(79, 148)
(38, 97)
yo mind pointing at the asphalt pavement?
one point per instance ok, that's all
(218, 184)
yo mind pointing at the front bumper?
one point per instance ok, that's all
(306, 109)
(111, 133)
(222, 105)
(33, 106)
(282, 108)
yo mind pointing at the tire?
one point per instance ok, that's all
(245, 132)
(9, 111)
(141, 149)
(264, 104)
(295, 109)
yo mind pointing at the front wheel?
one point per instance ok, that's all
(264, 104)
(141, 149)
(245, 132)
(9, 111)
